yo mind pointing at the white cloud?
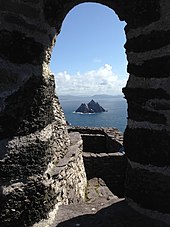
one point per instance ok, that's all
(100, 81)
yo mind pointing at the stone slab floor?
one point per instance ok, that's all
(102, 209)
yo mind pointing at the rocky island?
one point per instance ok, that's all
(91, 107)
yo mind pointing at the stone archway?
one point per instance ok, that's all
(32, 126)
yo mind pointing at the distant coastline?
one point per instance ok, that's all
(71, 97)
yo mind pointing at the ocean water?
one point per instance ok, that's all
(115, 117)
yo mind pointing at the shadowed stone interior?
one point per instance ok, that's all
(33, 132)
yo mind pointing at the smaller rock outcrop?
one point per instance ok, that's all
(91, 107)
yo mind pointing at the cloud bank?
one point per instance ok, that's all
(100, 81)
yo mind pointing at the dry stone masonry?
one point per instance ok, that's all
(68, 179)
(33, 133)
(108, 140)
(104, 157)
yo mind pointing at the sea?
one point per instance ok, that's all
(116, 115)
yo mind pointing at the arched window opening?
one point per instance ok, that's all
(89, 62)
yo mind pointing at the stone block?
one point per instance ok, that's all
(148, 42)
(157, 68)
(18, 48)
(151, 190)
(147, 146)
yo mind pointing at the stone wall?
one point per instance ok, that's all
(110, 167)
(147, 136)
(68, 179)
(104, 157)
(32, 126)
(24, 203)
(96, 139)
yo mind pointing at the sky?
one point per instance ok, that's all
(89, 57)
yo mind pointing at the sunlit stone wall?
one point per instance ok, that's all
(32, 126)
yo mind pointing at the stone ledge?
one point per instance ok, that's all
(99, 139)
(74, 150)
(98, 155)
(68, 179)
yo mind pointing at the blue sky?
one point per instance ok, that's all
(89, 57)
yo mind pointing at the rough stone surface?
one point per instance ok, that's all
(111, 167)
(18, 48)
(62, 182)
(67, 179)
(147, 145)
(156, 67)
(104, 156)
(102, 209)
(96, 140)
(148, 42)
(150, 190)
